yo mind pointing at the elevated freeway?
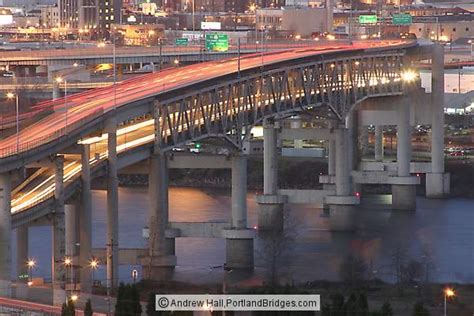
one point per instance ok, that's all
(131, 55)
(96, 133)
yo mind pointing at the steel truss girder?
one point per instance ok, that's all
(228, 109)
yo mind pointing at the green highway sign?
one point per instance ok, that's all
(217, 42)
(181, 42)
(367, 19)
(401, 19)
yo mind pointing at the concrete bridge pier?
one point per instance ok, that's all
(437, 181)
(85, 223)
(161, 259)
(21, 250)
(58, 235)
(404, 185)
(331, 160)
(56, 90)
(271, 205)
(378, 143)
(21, 261)
(364, 140)
(239, 239)
(5, 234)
(71, 219)
(342, 205)
(112, 244)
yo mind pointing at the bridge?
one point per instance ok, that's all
(133, 127)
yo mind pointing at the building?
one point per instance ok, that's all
(49, 16)
(444, 31)
(295, 20)
(78, 14)
(140, 34)
(443, 24)
(109, 12)
(149, 8)
(26, 21)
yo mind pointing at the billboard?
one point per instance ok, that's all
(210, 25)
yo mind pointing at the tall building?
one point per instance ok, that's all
(109, 12)
(78, 14)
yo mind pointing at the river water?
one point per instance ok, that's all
(440, 230)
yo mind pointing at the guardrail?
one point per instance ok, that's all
(38, 142)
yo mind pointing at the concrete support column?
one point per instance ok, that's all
(270, 158)
(58, 235)
(56, 90)
(112, 208)
(364, 140)
(85, 224)
(342, 205)
(270, 214)
(403, 192)
(161, 257)
(437, 182)
(21, 250)
(403, 139)
(5, 234)
(239, 239)
(378, 143)
(351, 126)
(332, 152)
(239, 192)
(71, 237)
(342, 163)
(21, 262)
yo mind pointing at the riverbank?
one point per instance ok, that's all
(377, 294)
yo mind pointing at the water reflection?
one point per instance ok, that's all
(441, 227)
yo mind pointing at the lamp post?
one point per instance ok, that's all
(59, 80)
(93, 264)
(253, 8)
(471, 44)
(68, 264)
(10, 96)
(114, 62)
(31, 264)
(448, 292)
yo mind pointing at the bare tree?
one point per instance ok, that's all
(399, 259)
(276, 249)
(353, 271)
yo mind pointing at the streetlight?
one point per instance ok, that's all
(114, 62)
(68, 264)
(10, 96)
(59, 80)
(30, 264)
(471, 43)
(448, 292)
(94, 264)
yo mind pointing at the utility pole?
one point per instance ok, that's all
(238, 58)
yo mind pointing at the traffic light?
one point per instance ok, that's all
(197, 145)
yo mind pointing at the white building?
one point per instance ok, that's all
(49, 16)
(297, 20)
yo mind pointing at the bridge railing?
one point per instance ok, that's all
(40, 141)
